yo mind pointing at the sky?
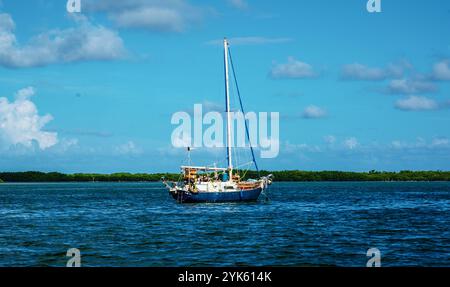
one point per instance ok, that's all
(95, 91)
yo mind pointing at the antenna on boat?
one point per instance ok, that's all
(189, 155)
(227, 104)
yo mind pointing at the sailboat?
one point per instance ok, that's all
(215, 184)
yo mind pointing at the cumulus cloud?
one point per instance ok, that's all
(293, 69)
(410, 86)
(85, 42)
(359, 72)
(441, 70)
(156, 15)
(416, 103)
(25, 93)
(20, 122)
(251, 40)
(314, 112)
(351, 143)
(239, 4)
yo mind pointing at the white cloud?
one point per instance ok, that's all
(239, 4)
(410, 86)
(154, 18)
(351, 143)
(441, 70)
(314, 112)
(416, 103)
(6, 27)
(65, 145)
(156, 15)
(440, 142)
(397, 144)
(251, 40)
(421, 143)
(6, 22)
(20, 122)
(293, 69)
(359, 72)
(295, 148)
(25, 93)
(128, 148)
(85, 42)
(207, 106)
(330, 139)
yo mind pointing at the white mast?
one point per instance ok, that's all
(227, 94)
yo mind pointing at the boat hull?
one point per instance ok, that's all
(213, 197)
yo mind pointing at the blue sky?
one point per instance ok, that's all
(95, 91)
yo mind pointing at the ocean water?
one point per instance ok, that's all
(303, 224)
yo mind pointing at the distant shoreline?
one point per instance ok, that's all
(282, 176)
(142, 182)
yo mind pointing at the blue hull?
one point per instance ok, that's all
(229, 196)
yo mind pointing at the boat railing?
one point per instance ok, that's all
(203, 168)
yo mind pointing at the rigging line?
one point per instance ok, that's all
(242, 108)
(245, 164)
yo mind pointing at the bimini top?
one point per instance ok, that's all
(204, 168)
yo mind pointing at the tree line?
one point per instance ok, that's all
(285, 175)
(406, 175)
(35, 176)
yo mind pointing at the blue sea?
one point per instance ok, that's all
(303, 224)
